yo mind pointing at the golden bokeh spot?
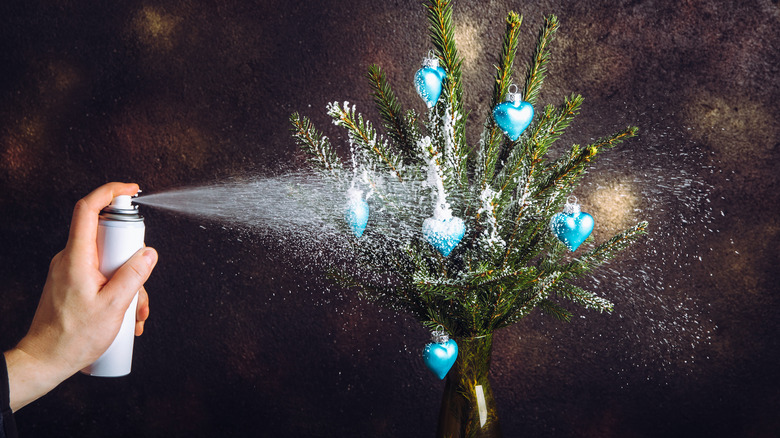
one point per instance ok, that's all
(469, 43)
(614, 206)
(740, 130)
(156, 29)
(56, 79)
(22, 145)
(64, 76)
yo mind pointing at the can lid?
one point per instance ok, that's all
(121, 209)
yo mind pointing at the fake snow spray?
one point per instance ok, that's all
(120, 235)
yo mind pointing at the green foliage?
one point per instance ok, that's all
(315, 145)
(509, 263)
(491, 135)
(398, 129)
(537, 68)
(376, 152)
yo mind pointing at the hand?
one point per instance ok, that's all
(80, 311)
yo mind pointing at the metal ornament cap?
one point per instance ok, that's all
(440, 357)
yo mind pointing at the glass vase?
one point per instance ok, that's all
(467, 407)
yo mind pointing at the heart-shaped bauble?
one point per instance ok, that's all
(444, 234)
(513, 117)
(440, 357)
(428, 83)
(572, 228)
(356, 215)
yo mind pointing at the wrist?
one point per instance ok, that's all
(30, 377)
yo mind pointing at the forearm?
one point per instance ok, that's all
(30, 378)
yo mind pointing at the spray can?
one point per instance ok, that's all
(120, 235)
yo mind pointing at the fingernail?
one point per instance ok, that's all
(150, 256)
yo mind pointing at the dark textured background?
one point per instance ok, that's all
(178, 93)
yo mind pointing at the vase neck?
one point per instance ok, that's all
(474, 356)
(468, 408)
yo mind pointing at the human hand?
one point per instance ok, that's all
(80, 311)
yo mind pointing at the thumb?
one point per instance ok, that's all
(129, 278)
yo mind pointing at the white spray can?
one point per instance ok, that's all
(120, 235)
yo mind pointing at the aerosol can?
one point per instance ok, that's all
(120, 235)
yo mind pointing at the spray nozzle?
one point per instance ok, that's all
(122, 202)
(121, 208)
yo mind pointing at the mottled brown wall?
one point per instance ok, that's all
(178, 93)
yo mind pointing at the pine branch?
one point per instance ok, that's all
(555, 310)
(524, 303)
(607, 250)
(522, 234)
(442, 32)
(566, 172)
(549, 128)
(315, 145)
(361, 133)
(537, 68)
(390, 110)
(586, 299)
(438, 317)
(507, 57)
(443, 135)
(436, 288)
(491, 135)
(443, 35)
(511, 278)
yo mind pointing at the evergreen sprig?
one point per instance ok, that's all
(509, 262)
(537, 68)
(316, 146)
(491, 135)
(395, 124)
(442, 32)
(375, 149)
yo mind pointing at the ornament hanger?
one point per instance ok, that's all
(431, 60)
(439, 335)
(514, 96)
(571, 205)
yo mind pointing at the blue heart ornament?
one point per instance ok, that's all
(444, 234)
(356, 215)
(440, 357)
(572, 228)
(513, 117)
(428, 83)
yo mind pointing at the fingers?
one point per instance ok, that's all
(129, 278)
(142, 311)
(83, 226)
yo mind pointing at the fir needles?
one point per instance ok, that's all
(508, 262)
